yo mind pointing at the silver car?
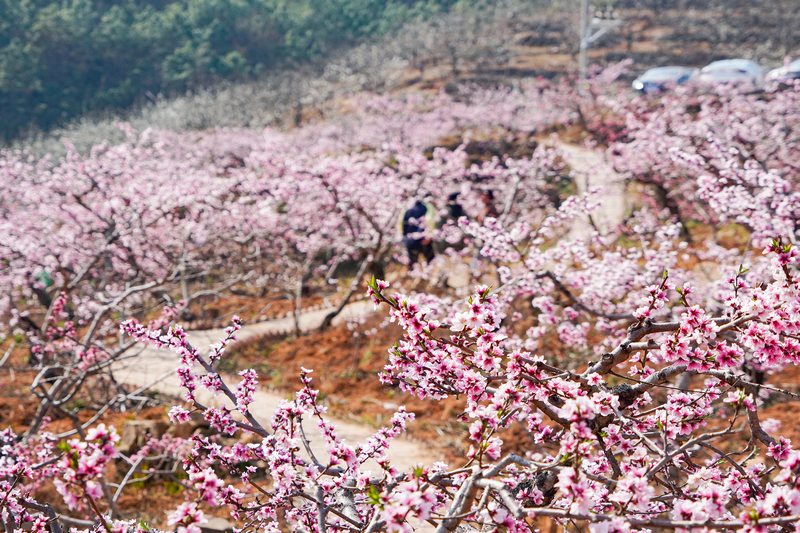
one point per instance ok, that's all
(785, 74)
(734, 72)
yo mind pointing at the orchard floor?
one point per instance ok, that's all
(149, 501)
(346, 364)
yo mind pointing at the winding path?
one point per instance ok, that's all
(593, 171)
(155, 370)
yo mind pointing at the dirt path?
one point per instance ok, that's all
(155, 369)
(592, 170)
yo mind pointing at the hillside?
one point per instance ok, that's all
(59, 60)
(484, 42)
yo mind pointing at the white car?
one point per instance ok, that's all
(785, 74)
(734, 72)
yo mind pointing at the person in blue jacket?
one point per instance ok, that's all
(414, 225)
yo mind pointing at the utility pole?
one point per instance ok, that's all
(591, 30)
(583, 32)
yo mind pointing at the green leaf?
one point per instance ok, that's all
(173, 488)
(373, 495)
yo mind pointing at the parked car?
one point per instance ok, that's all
(786, 73)
(732, 71)
(662, 78)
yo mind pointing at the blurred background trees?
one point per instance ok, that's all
(62, 58)
(204, 63)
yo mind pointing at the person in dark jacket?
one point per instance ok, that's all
(414, 239)
(454, 209)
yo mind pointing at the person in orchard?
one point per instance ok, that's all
(415, 227)
(488, 207)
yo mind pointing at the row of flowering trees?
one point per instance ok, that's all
(627, 371)
(739, 152)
